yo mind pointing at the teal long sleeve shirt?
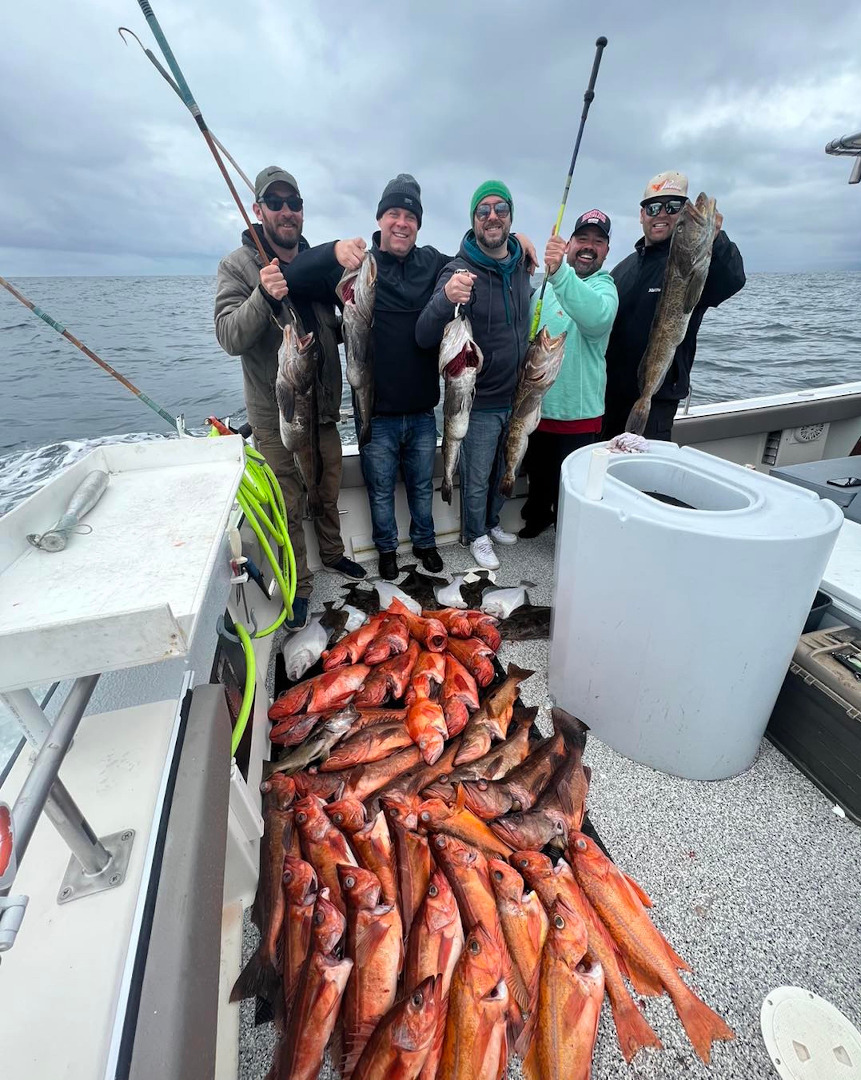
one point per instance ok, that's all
(585, 308)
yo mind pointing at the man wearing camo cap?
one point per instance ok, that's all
(639, 279)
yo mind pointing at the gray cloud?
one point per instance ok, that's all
(105, 172)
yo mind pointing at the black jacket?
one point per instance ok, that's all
(638, 279)
(406, 376)
(500, 325)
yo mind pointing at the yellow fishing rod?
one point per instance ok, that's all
(588, 97)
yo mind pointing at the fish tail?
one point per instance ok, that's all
(572, 730)
(257, 979)
(515, 672)
(445, 490)
(701, 1023)
(632, 1029)
(639, 416)
(506, 485)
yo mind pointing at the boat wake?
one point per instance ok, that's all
(23, 473)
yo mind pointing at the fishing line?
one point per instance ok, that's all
(588, 97)
(153, 59)
(187, 97)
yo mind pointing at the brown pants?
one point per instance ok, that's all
(327, 526)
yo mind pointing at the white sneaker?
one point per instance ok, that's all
(499, 536)
(482, 552)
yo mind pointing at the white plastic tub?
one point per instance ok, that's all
(673, 626)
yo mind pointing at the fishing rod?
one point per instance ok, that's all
(153, 59)
(192, 106)
(588, 97)
(176, 422)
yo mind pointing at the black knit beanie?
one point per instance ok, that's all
(403, 192)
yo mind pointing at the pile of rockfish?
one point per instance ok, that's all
(397, 923)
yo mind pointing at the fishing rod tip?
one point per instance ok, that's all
(601, 42)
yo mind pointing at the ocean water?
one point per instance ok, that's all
(781, 332)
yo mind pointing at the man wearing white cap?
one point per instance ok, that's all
(639, 279)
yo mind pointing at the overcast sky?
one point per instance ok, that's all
(104, 171)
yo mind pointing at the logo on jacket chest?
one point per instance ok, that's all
(656, 288)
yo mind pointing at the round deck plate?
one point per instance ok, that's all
(807, 1038)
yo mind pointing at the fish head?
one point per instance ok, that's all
(402, 810)
(433, 812)
(346, 814)
(341, 723)
(440, 906)
(567, 932)
(586, 857)
(328, 925)
(694, 232)
(281, 788)
(506, 881)
(296, 358)
(358, 287)
(532, 865)
(454, 854)
(544, 359)
(309, 817)
(299, 880)
(459, 355)
(361, 888)
(415, 1026)
(484, 969)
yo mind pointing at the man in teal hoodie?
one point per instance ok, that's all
(580, 299)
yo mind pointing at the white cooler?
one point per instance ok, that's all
(673, 626)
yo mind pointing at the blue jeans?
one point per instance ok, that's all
(408, 441)
(481, 467)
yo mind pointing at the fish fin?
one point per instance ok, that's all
(694, 289)
(638, 890)
(643, 981)
(701, 1023)
(674, 957)
(639, 416)
(572, 729)
(531, 1071)
(519, 673)
(632, 1029)
(257, 979)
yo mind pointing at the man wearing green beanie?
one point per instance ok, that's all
(490, 279)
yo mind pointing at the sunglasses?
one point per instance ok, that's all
(672, 206)
(276, 202)
(501, 209)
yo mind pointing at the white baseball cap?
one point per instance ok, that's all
(666, 183)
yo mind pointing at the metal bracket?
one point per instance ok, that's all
(12, 910)
(77, 882)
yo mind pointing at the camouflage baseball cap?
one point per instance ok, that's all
(273, 175)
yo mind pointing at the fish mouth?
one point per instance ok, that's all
(467, 357)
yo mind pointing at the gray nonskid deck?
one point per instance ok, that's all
(754, 880)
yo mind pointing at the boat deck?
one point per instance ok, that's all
(754, 880)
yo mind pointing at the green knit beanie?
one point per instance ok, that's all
(490, 187)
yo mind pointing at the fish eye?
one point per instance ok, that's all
(338, 818)
(440, 841)
(425, 815)
(349, 882)
(393, 810)
(580, 845)
(524, 862)
(474, 947)
(418, 1000)
(301, 817)
(498, 875)
(443, 778)
(318, 917)
(559, 922)
(517, 805)
(482, 785)
(433, 890)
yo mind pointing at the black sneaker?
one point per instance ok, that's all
(347, 567)
(429, 558)
(533, 528)
(300, 614)
(389, 565)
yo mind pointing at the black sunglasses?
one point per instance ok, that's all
(502, 210)
(276, 202)
(672, 206)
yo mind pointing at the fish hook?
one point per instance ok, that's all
(124, 29)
